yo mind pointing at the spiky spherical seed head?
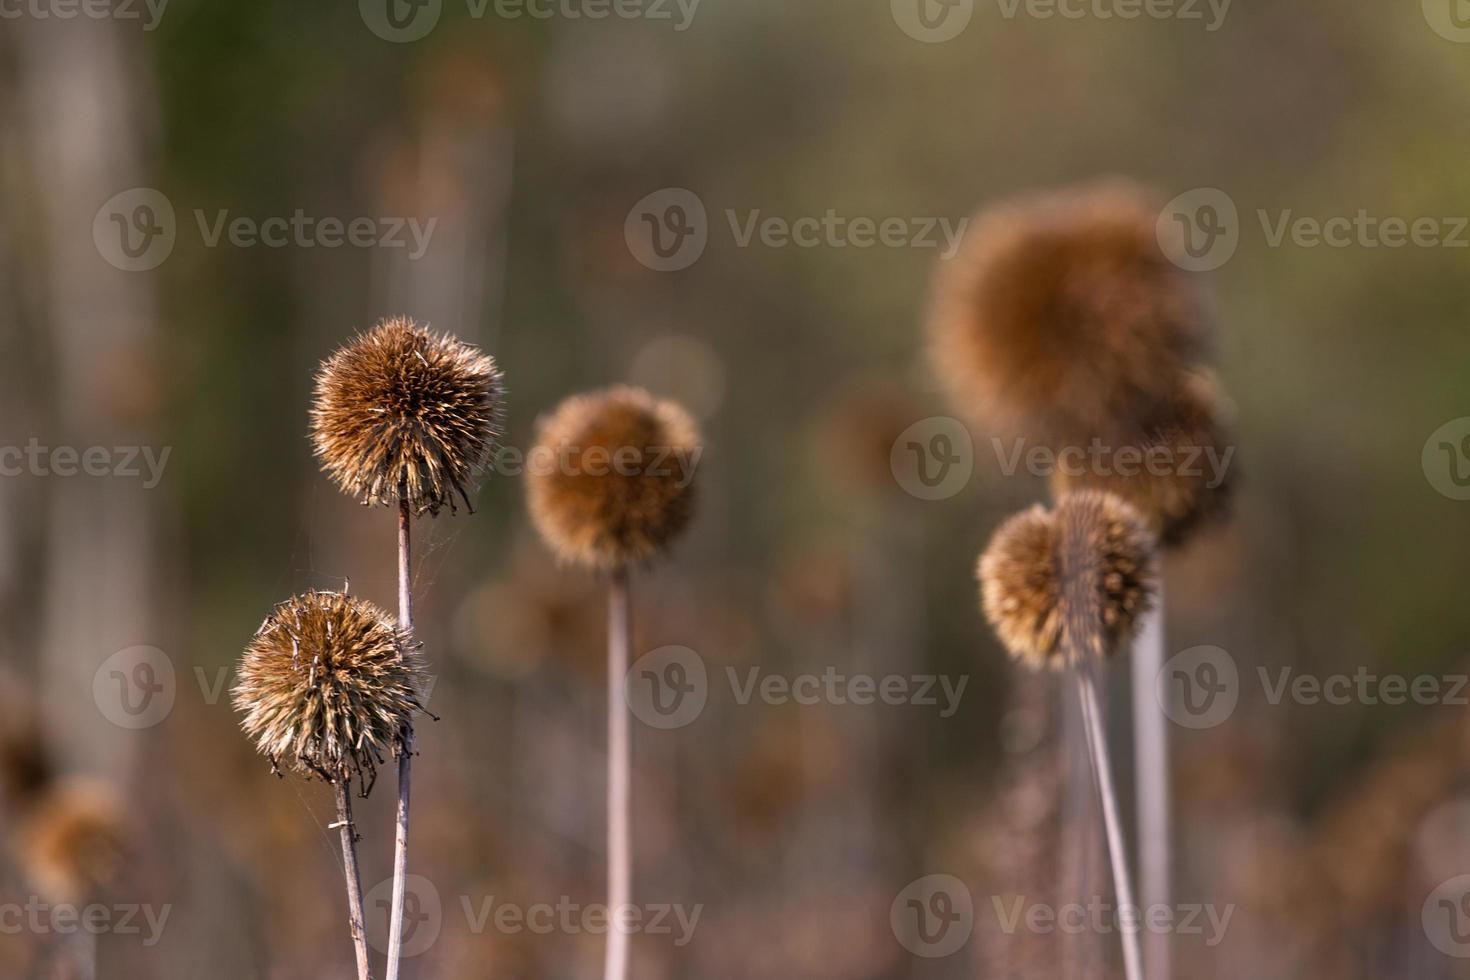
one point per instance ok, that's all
(73, 841)
(1181, 475)
(1019, 586)
(405, 414)
(1068, 583)
(1105, 555)
(611, 479)
(328, 686)
(1061, 317)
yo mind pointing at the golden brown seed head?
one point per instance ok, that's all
(328, 685)
(1019, 586)
(402, 413)
(1058, 585)
(1183, 472)
(611, 478)
(72, 843)
(1061, 318)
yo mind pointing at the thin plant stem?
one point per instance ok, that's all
(85, 945)
(619, 774)
(1117, 850)
(353, 876)
(1151, 764)
(405, 758)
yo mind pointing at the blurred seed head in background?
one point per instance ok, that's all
(1193, 487)
(611, 480)
(1061, 318)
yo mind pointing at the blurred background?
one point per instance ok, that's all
(200, 201)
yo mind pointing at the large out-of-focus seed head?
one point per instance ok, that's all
(1181, 476)
(1061, 318)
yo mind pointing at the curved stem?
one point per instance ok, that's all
(353, 876)
(619, 774)
(405, 759)
(1117, 850)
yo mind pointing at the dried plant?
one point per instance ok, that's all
(1021, 576)
(611, 480)
(1066, 588)
(1061, 318)
(406, 416)
(329, 685)
(611, 487)
(1196, 485)
(73, 840)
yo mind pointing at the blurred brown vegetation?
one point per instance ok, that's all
(1325, 827)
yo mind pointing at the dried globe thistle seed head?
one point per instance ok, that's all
(1071, 582)
(405, 414)
(611, 477)
(1019, 587)
(1106, 560)
(1180, 476)
(1061, 316)
(328, 685)
(72, 843)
